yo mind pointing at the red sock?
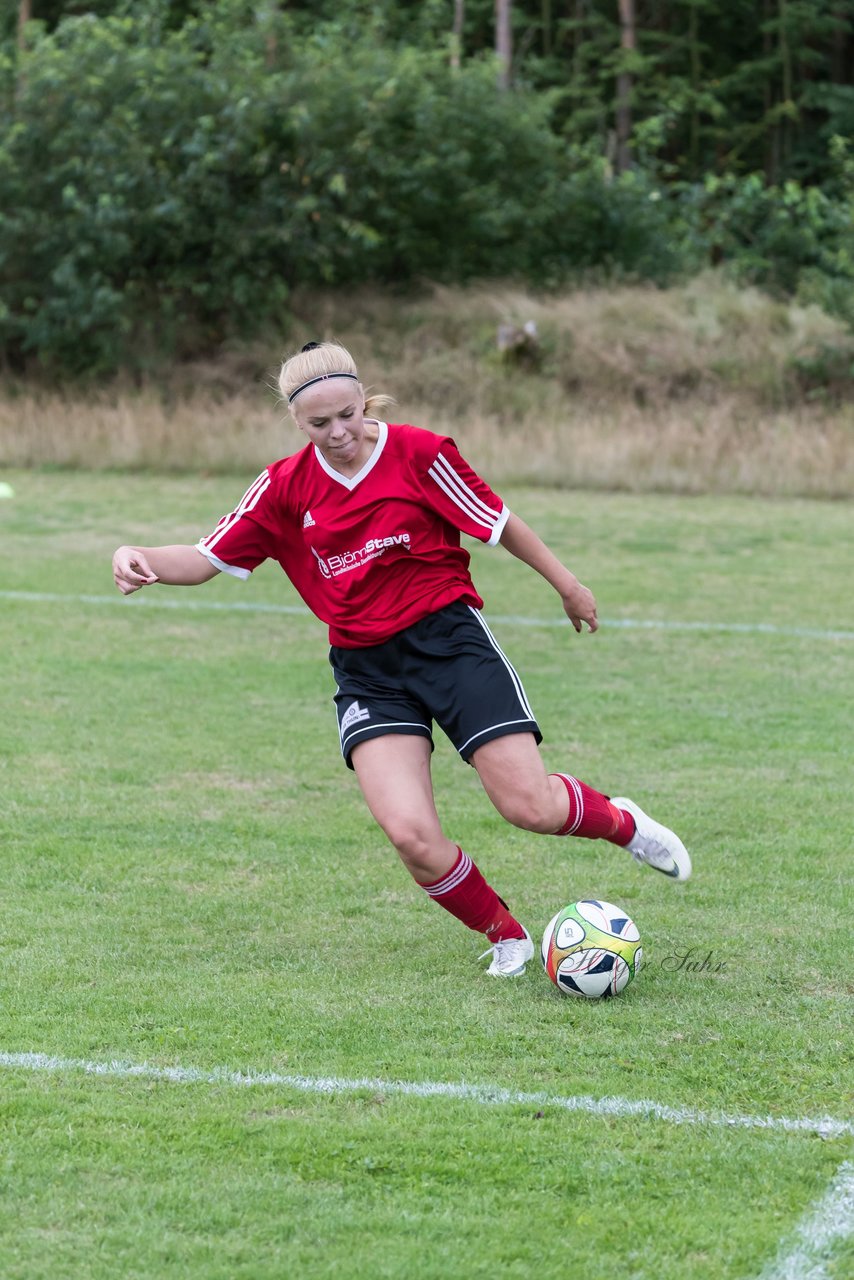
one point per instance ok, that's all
(592, 815)
(465, 893)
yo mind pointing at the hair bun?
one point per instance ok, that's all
(309, 346)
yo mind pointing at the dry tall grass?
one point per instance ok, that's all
(701, 388)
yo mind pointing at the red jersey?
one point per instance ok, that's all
(372, 553)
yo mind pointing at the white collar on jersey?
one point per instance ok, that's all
(350, 482)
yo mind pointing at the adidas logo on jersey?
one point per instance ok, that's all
(308, 520)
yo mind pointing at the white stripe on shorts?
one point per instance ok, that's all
(391, 725)
(517, 683)
(504, 724)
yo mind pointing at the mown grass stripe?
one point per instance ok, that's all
(827, 1223)
(488, 1095)
(260, 606)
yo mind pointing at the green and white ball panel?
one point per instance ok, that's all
(569, 933)
(608, 919)
(591, 949)
(547, 939)
(592, 972)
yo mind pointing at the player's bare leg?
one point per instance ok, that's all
(394, 774)
(515, 779)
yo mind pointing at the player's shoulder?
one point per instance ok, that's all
(284, 470)
(276, 492)
(417, 442)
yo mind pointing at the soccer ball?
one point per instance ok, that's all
(591, 949)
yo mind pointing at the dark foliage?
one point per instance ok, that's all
(171, 169)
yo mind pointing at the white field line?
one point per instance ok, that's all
(259, 606)
(827, 1223)
(485, 1095)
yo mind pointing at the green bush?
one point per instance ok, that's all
(128, 223)
(792, 240)
(162, 190)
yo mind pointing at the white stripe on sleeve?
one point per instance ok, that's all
(462, 494)
(233, 569)
(495, 536)
(247, 503)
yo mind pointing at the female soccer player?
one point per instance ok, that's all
(365, 520)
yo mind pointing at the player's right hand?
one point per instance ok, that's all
(131, 570)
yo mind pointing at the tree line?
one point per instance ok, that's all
(171, 169)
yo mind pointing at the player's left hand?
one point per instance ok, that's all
(580, 606)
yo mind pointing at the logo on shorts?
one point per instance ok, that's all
(308, 520)
(353, 715)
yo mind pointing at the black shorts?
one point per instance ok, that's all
(448, 668)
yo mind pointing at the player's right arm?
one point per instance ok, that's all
(177, 566)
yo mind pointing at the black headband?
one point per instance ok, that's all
(312, 346)
(320, 378)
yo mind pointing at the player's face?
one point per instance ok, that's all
(332, 415)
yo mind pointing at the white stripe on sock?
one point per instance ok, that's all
(454, 878)
(579, 800)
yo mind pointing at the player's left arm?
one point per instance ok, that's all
(578, 601)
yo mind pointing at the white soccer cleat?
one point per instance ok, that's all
(510, 956)
(654, 844)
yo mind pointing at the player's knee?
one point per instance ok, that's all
(414, 846)
(525, 808)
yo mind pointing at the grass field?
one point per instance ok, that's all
(190, 881)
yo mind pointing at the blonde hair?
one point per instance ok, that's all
(323, 360)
